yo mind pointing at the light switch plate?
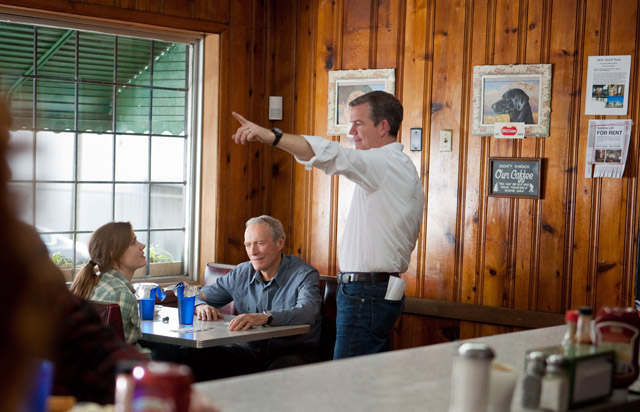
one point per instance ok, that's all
(445, 140)
(416, 139)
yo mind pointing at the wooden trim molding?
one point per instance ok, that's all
(485, 314)
(139, 18)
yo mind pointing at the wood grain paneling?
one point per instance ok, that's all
(207, 16)
(416, 61)
(576, 245)
(210, 127)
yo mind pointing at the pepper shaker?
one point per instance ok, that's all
(532, 379)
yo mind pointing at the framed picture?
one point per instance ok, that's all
(514, 177)
(512, 94)
(346, 85)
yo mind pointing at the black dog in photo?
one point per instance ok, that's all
(515, 103)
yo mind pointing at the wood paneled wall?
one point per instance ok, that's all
(208, 16)
(575, 246)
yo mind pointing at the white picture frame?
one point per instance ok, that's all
(345, 85)
(494, 87)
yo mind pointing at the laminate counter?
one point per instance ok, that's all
(417, 379)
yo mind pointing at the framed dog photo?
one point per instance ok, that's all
(512, 94)
(346, 85)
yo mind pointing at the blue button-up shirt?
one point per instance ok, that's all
(292, 296)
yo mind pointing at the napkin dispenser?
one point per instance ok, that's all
(590, 371)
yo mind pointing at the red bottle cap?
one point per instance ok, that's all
(571, 316)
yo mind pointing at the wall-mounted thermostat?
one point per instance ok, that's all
(275, 107)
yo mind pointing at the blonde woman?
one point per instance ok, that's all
(115, 254)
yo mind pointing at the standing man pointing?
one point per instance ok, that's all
(384, 218)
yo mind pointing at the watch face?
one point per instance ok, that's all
(276, 130)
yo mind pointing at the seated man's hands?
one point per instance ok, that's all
(247, 320)
(206, 312)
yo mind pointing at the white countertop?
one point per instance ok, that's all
(407, 380)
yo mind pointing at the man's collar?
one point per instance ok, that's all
(281, 275)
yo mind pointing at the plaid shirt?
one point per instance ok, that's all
(85, 352)
(113, 287)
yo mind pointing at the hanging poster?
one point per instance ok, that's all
(607, 90)
(607, 147)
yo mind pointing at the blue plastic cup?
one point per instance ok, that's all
(186, 307)
(39, 386)
(146, 308)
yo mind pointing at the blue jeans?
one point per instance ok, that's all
(364, 319)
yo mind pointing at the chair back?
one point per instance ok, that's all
(328, 289)
(214, 271)
(111, 316)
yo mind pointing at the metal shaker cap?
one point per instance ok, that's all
(556, 363)
(535, 362)
(475, 351)
(536, 356)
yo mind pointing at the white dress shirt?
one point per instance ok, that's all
(386, 210)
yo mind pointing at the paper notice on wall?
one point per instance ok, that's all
(607, 147)
(607, 85)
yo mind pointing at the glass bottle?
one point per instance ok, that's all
(555, 385)
(532, 379)
(124, 386)
(571, 320)
(583, 329)
(470, 378)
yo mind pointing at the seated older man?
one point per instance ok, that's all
(270, 289)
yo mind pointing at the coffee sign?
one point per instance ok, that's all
(514, 177)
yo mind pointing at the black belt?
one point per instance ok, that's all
(349, 277)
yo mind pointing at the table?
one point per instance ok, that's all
(407, 380)
(204, 334)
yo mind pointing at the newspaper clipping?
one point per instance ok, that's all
(607, 147)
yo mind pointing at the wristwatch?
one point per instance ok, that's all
(278, 134)
(269, 318)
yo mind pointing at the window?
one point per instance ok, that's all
(104, 127)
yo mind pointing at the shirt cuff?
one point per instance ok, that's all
(318, 145)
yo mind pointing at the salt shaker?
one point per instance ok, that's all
(555, 385)
(470, 378)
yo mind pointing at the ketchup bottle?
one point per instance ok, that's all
(618, 329)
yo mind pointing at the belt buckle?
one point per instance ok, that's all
(345, 278)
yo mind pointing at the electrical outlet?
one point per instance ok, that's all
(445, 140)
